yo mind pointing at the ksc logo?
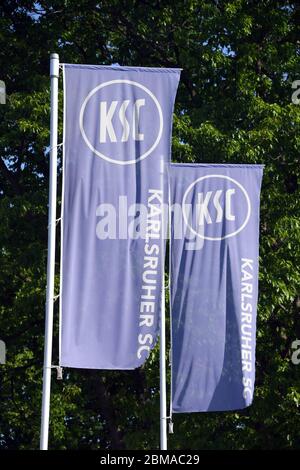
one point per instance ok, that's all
(128, 121)
(216, 207)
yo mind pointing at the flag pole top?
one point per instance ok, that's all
(54, 65)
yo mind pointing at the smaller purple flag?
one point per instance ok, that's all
(214, 285)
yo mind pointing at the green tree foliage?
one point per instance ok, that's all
(239, 59)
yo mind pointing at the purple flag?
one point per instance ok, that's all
(117, 133)
(214, 285)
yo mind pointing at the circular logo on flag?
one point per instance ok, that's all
(216, 207)
(121, 121)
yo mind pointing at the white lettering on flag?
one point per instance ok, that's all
(150, 273)
(246, 325)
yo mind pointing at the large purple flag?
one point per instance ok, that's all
(214, 285)
(117, 129)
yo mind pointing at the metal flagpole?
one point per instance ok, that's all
(162, 353)
(54, 73)
(170, 303)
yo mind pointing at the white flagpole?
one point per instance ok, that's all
(54, 73)
(162, 355)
